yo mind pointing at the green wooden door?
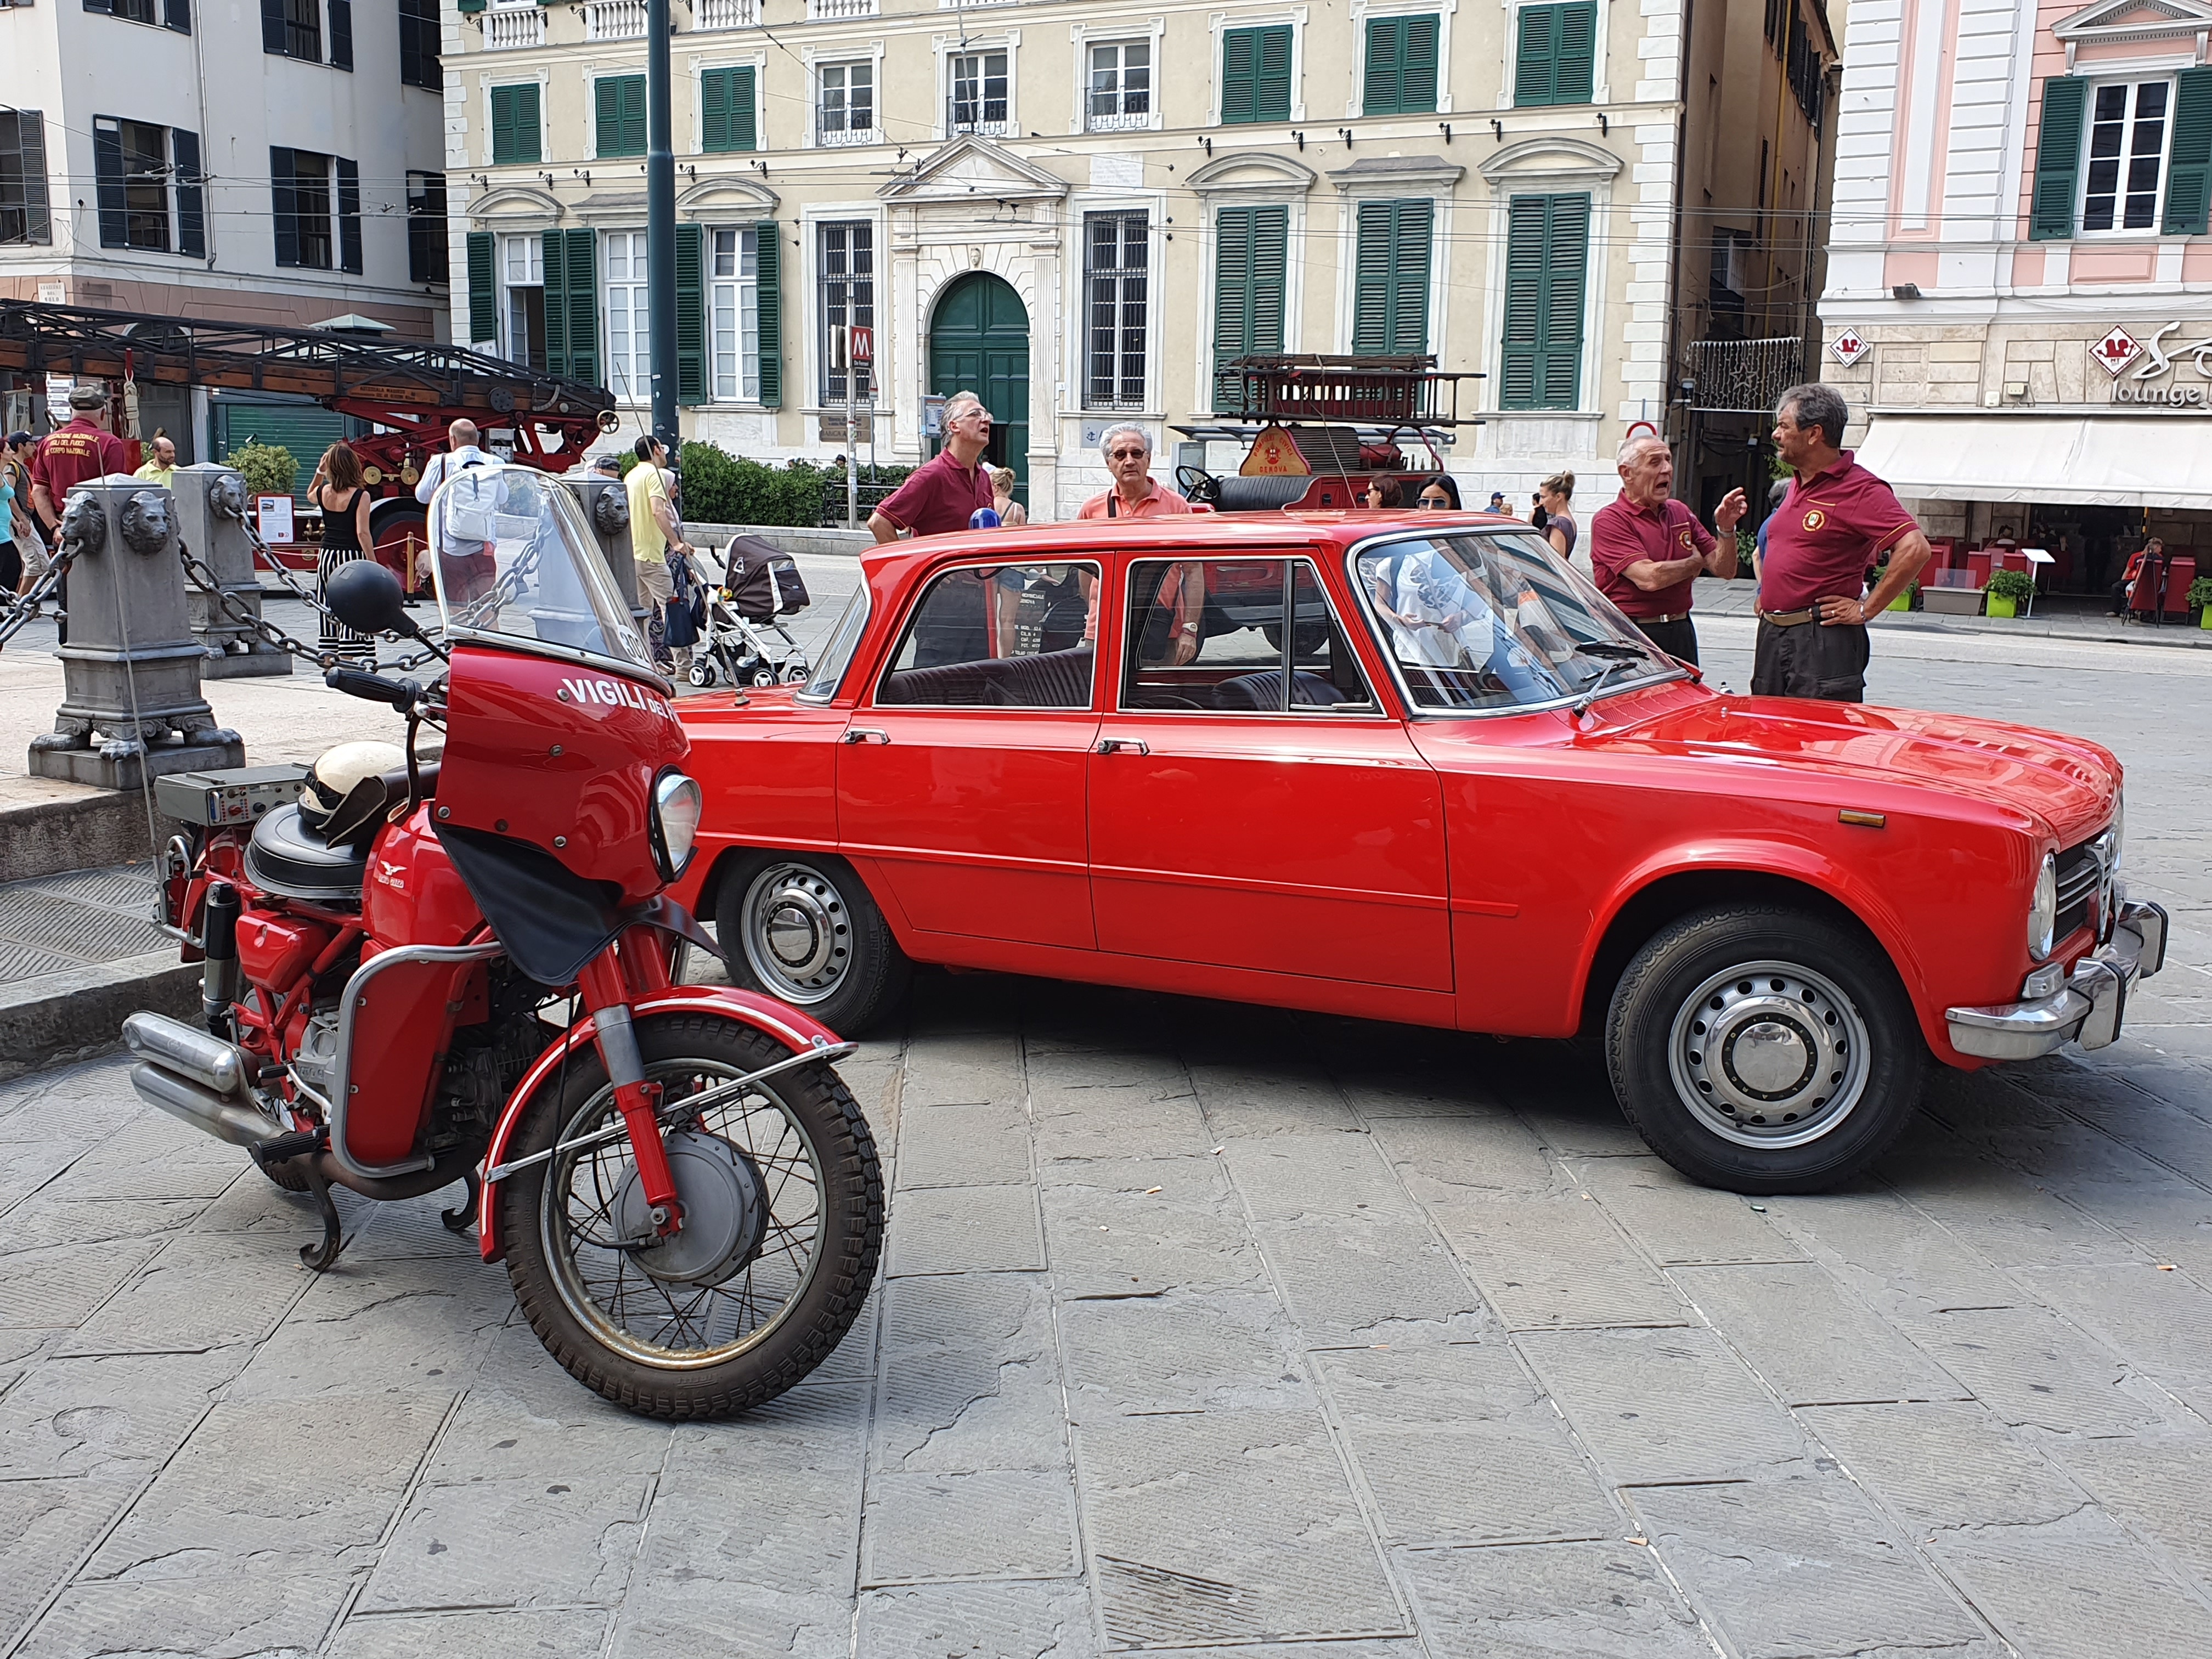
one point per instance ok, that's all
(979, 341)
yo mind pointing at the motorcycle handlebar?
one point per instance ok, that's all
(400, 694)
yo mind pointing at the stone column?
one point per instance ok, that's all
(132, 708)
(210, 506)
(606, 509)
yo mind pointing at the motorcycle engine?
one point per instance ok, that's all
(317, 1059)
(486, 1061)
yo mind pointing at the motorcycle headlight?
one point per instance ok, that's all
(677, 806)
(2119, 831)
(2042, 911)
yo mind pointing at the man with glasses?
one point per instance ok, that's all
(1172, 630)
(1835, 521)
(944, 492)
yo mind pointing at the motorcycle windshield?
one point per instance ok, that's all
(516, 563)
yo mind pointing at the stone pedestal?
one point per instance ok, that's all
(131, 708)
(606, 509)
(211, 521)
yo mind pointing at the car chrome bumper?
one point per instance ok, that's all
(2087, 1009)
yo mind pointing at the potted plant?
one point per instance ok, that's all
(2200, 600)
(2009, 590)
(1907, 600)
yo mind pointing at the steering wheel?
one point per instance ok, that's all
(1197, 484)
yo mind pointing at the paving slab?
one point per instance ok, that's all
(1548, 1601)
(2075, 1585)
(519, 1543)
(1359, 1283)
(1514, 1249)
(1810, 1339)
(1675, 1220)
(960, 1230)
(1939, 1464)
(985, 1619)
(2159, 1486)
(2033, 1370)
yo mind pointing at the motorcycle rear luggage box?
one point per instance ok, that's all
(237, 794)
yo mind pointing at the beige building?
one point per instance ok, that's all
(1081, 210)
(2019, 301)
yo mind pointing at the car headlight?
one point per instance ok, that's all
(677, 806)
(2043, 912)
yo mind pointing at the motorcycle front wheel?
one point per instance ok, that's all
(783, 1221)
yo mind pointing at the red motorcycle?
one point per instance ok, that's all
(425, 973)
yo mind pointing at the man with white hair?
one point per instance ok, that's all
(944, 493)
(1648, 548)
(1179, 606)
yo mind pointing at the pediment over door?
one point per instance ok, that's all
(970, 169)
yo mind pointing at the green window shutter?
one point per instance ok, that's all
(1255, 76)
(1575, 35)
(483, 287)
(515, 124)
(768, 265)
(572, 305)
(690, 317)
(1536, 57)
(1250, 261)
(2189, 170)
(1239, 52)
(618, 115)
(1547, 256)
(1401, 66)
(2058, 159)
(1390, 286)
(725, 110)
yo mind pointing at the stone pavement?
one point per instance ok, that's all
(1208, 1328)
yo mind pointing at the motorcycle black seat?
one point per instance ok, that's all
(287, 859)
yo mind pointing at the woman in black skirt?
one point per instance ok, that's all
(343, 499)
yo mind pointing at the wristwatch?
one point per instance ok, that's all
(1190, 628)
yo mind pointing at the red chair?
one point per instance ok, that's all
(1978, 562)
(2014, 560)
(2180, 571)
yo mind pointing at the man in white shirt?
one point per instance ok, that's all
(462, 436)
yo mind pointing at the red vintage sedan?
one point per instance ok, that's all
(1414, 770)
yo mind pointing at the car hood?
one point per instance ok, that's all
(2068, 783)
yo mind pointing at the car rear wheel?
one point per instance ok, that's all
(1764, 1049)
(802, 927)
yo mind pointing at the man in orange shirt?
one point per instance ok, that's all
(1127, 451)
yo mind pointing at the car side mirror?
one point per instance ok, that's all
(366, 598)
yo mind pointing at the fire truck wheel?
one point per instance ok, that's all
(782, 1220)
(802, 927)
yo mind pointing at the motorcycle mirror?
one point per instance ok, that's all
(366, 598)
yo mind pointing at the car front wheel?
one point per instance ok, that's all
(1764, 1050)
(802, 927)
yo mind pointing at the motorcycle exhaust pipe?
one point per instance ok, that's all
(176, 1047)
(219, 980)
(226, 1118)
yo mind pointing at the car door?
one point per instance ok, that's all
(1252, 805)
(962, 771)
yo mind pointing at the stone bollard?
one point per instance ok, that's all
(131, 671)
(606, 509)
(211, 522)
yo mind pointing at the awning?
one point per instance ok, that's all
(2113, 460)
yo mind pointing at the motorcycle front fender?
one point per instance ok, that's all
(786, 1025)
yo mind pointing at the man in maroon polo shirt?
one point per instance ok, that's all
(942, 493)
(69, 455)
(1837, 520)
(1648, 548)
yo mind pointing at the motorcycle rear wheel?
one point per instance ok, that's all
(784, 1198)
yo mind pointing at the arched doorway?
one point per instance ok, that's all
(979, 341)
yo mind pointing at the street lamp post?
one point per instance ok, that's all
(660, 223)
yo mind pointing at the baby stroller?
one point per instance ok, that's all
(742, 639)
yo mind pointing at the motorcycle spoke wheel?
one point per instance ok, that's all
(600, 1268)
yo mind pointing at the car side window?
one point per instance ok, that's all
(1209, 635)
(997, 635)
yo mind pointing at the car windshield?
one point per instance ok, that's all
(516, 560)
(1478, 621)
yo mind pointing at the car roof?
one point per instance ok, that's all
(1233, 534)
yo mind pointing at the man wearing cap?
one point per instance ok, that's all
(1836, 519)
(1648, 549)
(83, 449)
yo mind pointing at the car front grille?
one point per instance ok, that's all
(2081, 873)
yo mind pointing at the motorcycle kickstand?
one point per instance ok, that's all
(318, 1256)
(457, 1222)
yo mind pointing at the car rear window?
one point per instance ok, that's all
(1015, 636)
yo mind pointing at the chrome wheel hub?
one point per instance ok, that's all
(725, 1213)
(799, 934)
(1769, 1055)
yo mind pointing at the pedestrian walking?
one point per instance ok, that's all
(1559, 527)
(18, 534)
(1497, 500)
(343, 497)
(1836, 519)
(653, 530)
(1011, 514)
(1648, 549)
(1537, 513)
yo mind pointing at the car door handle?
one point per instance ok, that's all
(1118, 745)
(866, 734)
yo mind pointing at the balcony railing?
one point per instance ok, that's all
(1120, 120)
(506, 27)
(614, 19)
(840, 136)
(818, 9)
(1744, 377)
(726, 14)
(985, 117)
